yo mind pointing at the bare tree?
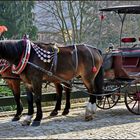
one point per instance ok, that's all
(65, 18)
(79, 21)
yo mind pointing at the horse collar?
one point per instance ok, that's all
(4, 64)
(23, 60)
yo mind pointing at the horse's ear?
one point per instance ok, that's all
(25, 36)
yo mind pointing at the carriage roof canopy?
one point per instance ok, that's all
(125, 9)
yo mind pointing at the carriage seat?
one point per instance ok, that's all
(127, 52)
(130, 56)
(130, 52)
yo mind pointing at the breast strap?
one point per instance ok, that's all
(23, 60)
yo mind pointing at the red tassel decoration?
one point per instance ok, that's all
(94, 69)
(102, 17)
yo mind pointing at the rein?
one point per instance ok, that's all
(4, 64)
(11, 78)
(49, 73)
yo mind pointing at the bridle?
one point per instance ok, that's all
(4, 65)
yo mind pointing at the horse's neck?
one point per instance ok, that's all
(11, 53)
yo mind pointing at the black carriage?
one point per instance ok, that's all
(122, 67)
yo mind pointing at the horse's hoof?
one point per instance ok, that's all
(16, 118)
(88, 118)
(25, 123)
(65, 112)
(91, 108)
(35, 123)
(53, 113)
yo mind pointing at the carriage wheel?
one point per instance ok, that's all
(108, 101)
(132, 99)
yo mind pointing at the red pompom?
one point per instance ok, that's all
(3, 29)
(94, 69)
(102, 17)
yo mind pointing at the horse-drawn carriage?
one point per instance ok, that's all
(122, 67)
(36, 61)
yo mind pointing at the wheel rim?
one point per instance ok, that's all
(132, 100)
(108, 101)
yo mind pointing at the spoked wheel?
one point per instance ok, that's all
(132, 99)
(108, 101)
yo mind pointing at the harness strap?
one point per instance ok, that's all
(93, 62)
(54, 62)
(75, 57)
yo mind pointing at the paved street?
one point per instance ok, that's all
(116, 123)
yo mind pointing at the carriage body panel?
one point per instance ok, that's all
(125, 62)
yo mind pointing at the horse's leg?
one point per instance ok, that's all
(30, 103)
(37, 86)
(16, 92)
(91, 105)
(67, 106)
(27, 119)
(19, 106)
(92, 86)
(59, 89)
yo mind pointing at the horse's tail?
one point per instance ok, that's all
(99, 80)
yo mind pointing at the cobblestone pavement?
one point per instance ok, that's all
(116, 123)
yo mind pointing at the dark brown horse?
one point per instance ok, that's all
(54, 63)
(13, 81)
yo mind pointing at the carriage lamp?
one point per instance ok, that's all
(128, 40)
